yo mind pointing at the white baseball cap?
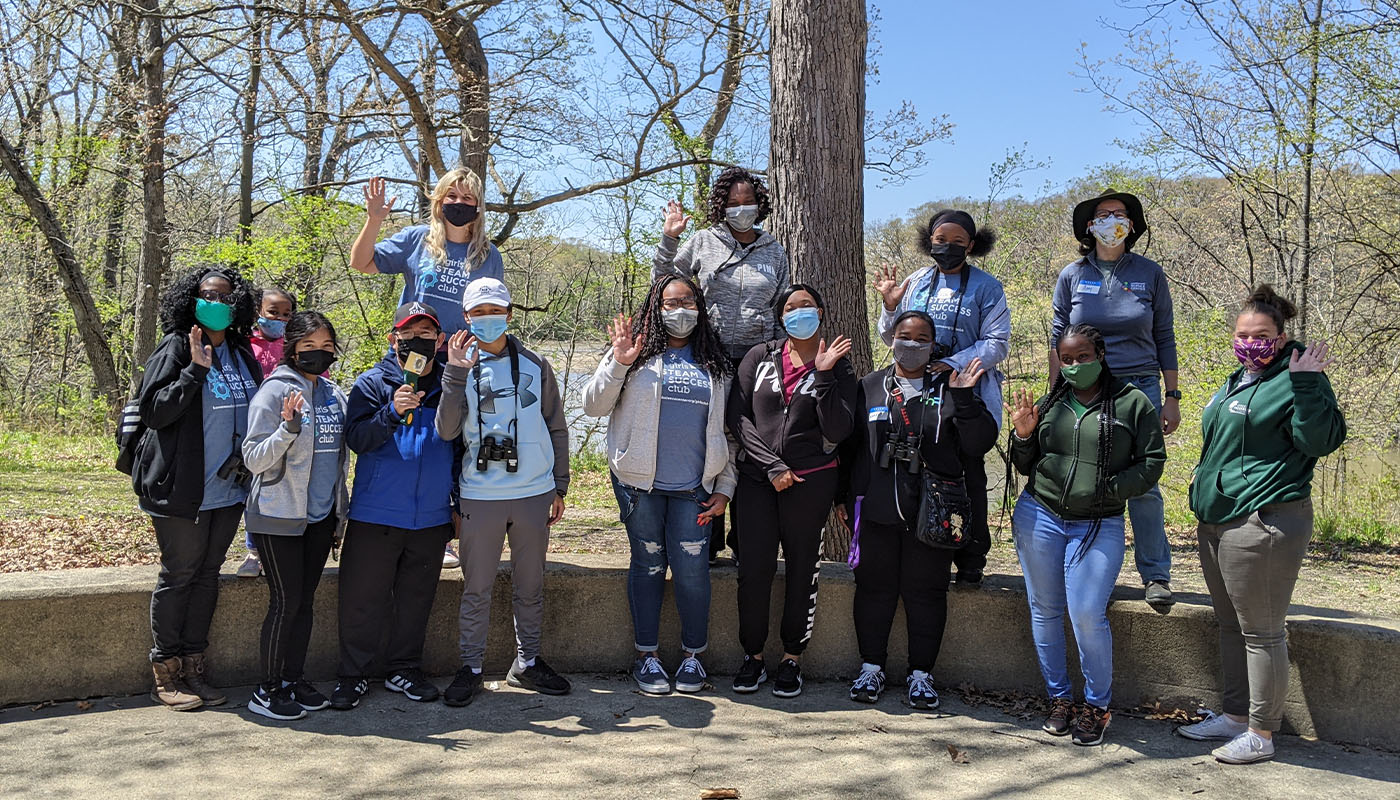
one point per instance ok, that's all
(485, 290)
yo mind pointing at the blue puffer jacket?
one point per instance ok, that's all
(406, 474)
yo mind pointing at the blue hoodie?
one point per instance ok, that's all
(405, 475)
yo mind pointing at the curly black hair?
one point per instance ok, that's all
(719, 194)
(301, 325)
(983, 238)
(648, 325)
(178, 300)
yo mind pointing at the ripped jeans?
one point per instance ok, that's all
(662, 531)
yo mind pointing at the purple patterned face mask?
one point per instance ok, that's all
(1256, 354)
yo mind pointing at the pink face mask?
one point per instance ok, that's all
(1256, 354)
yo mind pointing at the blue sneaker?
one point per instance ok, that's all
(650, 676)
(690, 677)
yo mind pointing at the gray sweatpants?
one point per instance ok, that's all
(485, 526)
(1251, 565)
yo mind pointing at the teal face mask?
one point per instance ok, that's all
(212, 315)
(1083, 376)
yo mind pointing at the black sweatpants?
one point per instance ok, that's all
(718, 539)
(187, 590)
(388, 578)
(793, 518)
(973, 555)
(293, 566)
(894, 566)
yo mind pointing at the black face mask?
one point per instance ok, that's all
(459, 214)
(421, 345)
(948, 256)
(314, 362)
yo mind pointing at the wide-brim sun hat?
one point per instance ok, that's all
(1085, 212)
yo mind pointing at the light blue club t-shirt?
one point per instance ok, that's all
(227, 388)
(324, 420)
(685, 413)
(427, 281)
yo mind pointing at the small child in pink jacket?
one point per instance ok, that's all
(275, 307)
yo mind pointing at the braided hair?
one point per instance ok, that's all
(719, 194)
(648, 325)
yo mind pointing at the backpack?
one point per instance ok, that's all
(128, 435)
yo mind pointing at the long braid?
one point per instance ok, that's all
(1105, 442)
(709, 353)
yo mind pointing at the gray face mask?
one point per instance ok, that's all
(912, 355)
(741, 218)
(680, 322)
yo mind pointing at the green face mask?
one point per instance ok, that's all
(212, 315)
(1082, 376)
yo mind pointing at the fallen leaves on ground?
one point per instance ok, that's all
(1014, 703)
(958, 756)
(1153, 709)
(84, 705)
(29, 543)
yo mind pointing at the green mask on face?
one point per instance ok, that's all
(214, 316)
(1083, 376)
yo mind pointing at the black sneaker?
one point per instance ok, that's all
(1158, 594)
(1061, 717)
(866, 688)
(465, 687)
(1089, 728)
(921, 694)
(537, 677)
(347, 693)
(413, 684)
(275, 703)
(752, 673)
(969, 578)
(306, 696)
(788, 681)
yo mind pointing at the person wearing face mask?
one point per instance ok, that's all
(741, 269)
(1263, 432)
(295, 450)
(1125, 296)
(663, 387)
(436, 260)
(791, 406)
(1086, 447)
(911, 421)
(187, 471)
(968, 306)
(275, 307)
(501, 400)
(400, 513)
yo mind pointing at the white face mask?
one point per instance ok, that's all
(741, 218)
(680, 322)
(1110, 231)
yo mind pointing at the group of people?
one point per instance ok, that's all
(724, 396)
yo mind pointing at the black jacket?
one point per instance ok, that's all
(168, 474)
(956, 428)
(775, 435)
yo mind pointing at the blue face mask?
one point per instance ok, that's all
(272, 328)
(802, 323)
(488, 329)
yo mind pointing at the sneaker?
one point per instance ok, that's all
(413, 684)
(449, 558)
(251, 566)
(866, 688)
(650, 676)
(968, 579)
(690, 676)
(347, 694)
(465, 687)
(306, 696)
(1215, 727)
(752, 673)
(275, 703)
(788, 681)
(1158, 594)
(1061, 716)
(1246, 748)
(1089, 728)
(921, 693)
(537, 677)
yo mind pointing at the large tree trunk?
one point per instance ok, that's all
(461, 44)
(155, 234)
(250, 125)
(816, 164)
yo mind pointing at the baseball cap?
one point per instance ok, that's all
(485, 290)
(408, 312)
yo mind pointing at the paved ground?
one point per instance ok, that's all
(607, 740)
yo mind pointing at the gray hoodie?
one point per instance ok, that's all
(279, 457)
(740, 281)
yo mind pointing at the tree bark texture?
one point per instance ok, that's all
(155, 236)
(250, 125)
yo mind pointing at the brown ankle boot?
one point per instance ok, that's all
(169, 691)
(192, 672)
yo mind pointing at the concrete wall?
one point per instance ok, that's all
(81, 633)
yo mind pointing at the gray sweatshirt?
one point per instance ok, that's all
(740, 281)
(279, 454)
(1131, 307)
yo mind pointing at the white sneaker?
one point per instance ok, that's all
(1213, 727)
(251, 566)
(1246, 748)
(449, 558)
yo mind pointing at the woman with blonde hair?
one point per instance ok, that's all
(436, 260)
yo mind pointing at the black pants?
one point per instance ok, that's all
(717, 534)
(973, 555)
(293, 566)
(894, 566)
(388, 579)
(794, 519)
(187, 590)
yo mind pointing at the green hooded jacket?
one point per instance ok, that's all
(1061, 457)
(1261, 440)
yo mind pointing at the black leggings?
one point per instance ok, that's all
(893, 566)
(973, 555)
(293, 566)
(793, 518)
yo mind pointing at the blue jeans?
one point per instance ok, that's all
(662, 532)
(1147, 512)
(1056, 583)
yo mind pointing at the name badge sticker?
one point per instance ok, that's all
(946, 293)
(1089, 287)
(879, 413)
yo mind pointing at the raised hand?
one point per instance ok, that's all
(405, 399)
(676, 219)
(200, 353)
(374, 200)
(625, 346)
(292, 405)
(828, 356)
(462, 350)
(969, 377)
(1314, 359)
(890, 287)
(1023, 413)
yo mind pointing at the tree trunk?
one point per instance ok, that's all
(155, 234)
(461, 44)
(1309, 157)
(250, 125)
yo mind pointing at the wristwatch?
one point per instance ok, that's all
(1175, 394)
